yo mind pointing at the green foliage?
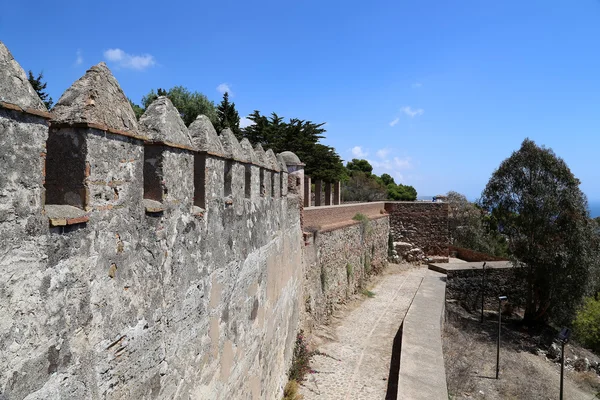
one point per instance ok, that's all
(40, 88)
(290, 392)
(401, 192)
(471, 228)
(586, 324)
(360, 217)
(323, 279)
(363, 185)
(228, 117)
(139, 111)
(536, 202)
(368, 293)
(189, 104)
(360, 165)
(300, 137)
(300, 360)
(349, 272)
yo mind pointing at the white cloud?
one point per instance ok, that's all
(402, 163)
(224, 88)
(245, 122)
(394, 122)
(382, 153)
(130, 61)
(416, 85)
(79, 59)
(412, 112)
(357, 151)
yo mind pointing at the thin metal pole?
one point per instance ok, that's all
(482, 290)
(498, 346)
(562, 369)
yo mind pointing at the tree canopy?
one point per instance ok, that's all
(298, 136)
(40, 88)
(189, 104)
(363, 185)
(228, 117)
(537, 203)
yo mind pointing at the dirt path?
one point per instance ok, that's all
(357, 353)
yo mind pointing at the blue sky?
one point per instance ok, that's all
(436, 93)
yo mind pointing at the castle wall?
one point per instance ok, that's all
(338, 261)
(422, 224)
(122, 301)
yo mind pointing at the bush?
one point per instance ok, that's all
(587, 324)
(301, 359)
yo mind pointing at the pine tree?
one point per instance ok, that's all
(39, 86)
(228, 117)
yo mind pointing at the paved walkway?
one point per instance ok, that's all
(356, 364)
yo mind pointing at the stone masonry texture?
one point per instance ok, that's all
(131, 304)
(422, 224)
(180, 268)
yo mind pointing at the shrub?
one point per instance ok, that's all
(587, 324)
(349, 272)
(301, 359)
(360, 217)
(290, 392)
(368, 293)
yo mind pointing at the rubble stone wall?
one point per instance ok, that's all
(422, 224)
(338, 263)
(119, 300)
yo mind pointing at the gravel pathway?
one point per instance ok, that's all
(356, 363)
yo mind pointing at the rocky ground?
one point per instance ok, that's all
(529, 361)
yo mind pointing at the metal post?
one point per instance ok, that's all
(562, 368)
(498, 346)
(482, 291)
(500, 299)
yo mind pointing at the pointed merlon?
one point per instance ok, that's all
(272, 160)
(14, 85)
(249, 151)
(282, 163)
(161, 123)
(261, 156)
(96, 98)
(231, 146)
(204, 137)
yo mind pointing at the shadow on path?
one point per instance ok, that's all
(392, 388)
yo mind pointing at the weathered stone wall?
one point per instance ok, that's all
(121, 300)
(465, 286)
(338, 263)
(422, 224)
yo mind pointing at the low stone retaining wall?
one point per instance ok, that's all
(333, 217)
(338, 263)
(464, 283)
(422, 373)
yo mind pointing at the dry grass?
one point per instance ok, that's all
(290, 392)
(470, 358)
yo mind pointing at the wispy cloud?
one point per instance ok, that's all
(245, 122)
(393, 166)
(382, 153)
(357, 151)
(416, 85)
(79, 59)
(224, 88)
(394, 121)
(412, 112)
(126, 60)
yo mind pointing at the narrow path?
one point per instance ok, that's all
(356, 363)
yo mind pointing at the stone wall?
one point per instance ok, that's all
(331, 217)
(191, 289)
(466, 285)
(422, 224)
(338, 263)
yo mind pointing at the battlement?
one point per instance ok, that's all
(97, 157)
